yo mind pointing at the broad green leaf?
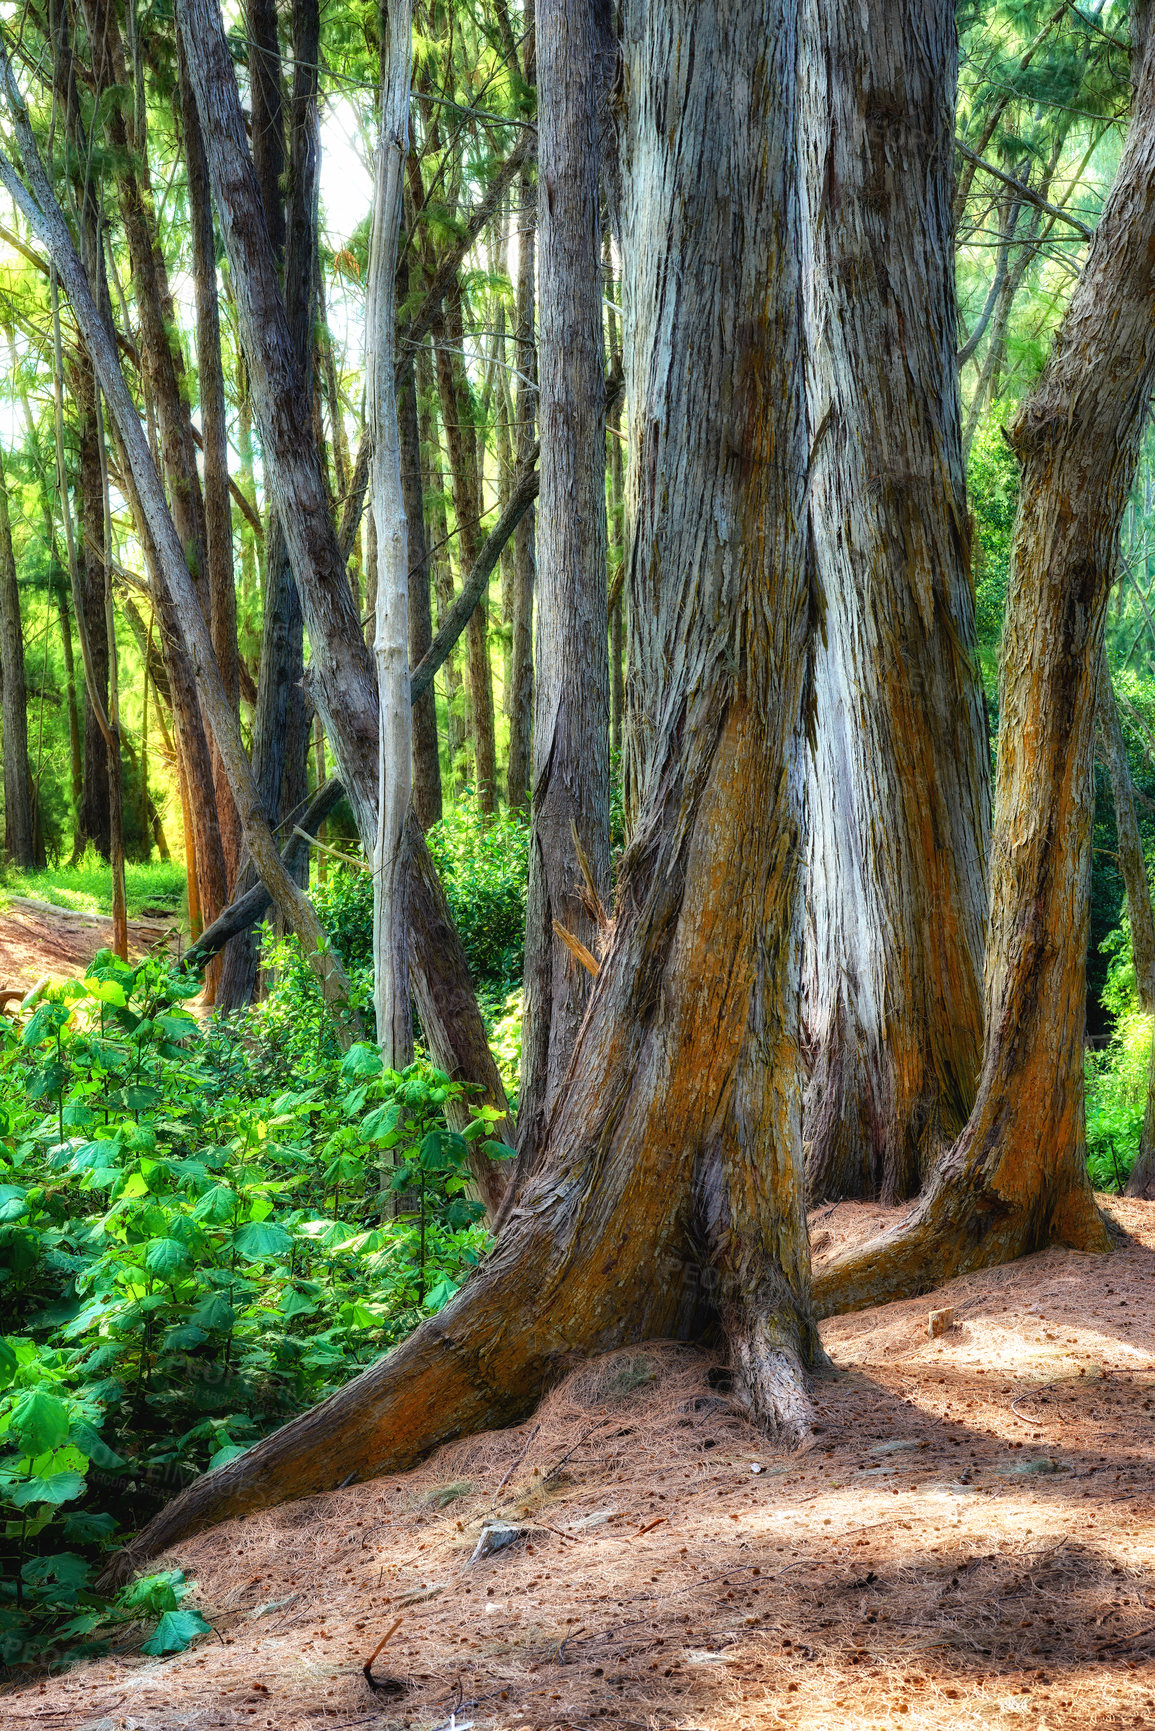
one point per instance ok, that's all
(229, 1452)
(40, 1421)
(361, 1062)
(165, 1257)
(176, 1631)
(96, 1448)
(216, 1205)
(432, 1155)
(56, 1488)
(258, 1238)
(297, 1304)
(108, 991)
(9, 1363)
(213, 1312)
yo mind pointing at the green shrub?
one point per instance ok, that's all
(1116, 1083)
(185, 1261)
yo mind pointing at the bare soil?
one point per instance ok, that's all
(41, 941)
(969, 1540)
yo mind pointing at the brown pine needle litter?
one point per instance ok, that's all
(968, 1541)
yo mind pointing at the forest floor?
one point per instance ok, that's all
(39, 940)
(969, 1540)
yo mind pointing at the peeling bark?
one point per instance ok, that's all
(569, 809)
(1017, 1177)
(898, 795)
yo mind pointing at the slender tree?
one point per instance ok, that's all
(19, 840)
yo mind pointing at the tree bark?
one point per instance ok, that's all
(391, 603)
(442, 571)
(93, 825)
(1017, 1177)
(524, 549)
(898, 785)
(426, 756)
(570, 808)
(672, 1188)
(19, 844)
(457, 419)
(1128, 842)
(214, 429)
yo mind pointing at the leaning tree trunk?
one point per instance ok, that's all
(676, 1141)
(19, 846)
(37, 203)
(570, 806)
(897, 792)
(1017, 1177)
(340, 671)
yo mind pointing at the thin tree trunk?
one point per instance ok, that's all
(680, 1121)
(569, 855)
(280, 720)
(898, 786)
(457, 419)
(88, 606)
(391, 604)
(341, 675)
(1017, 1178)
(524, 552)
(38, 205)
(433, 487)
(214, 429)
(112, 727)
(19, 845)
(426, 757)
(1129, 843)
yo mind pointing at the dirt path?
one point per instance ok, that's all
(969, 1541)
(39, 940)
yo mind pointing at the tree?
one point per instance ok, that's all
(1017, 1179)
(19, 837)
(391, 606)
(897, 786)
(570, 817)
(671, 1182)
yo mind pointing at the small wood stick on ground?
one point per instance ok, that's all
(367, 1667)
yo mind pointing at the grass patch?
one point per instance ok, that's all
(155, 888)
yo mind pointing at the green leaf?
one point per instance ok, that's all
(57, 1488)
(165, 1257)
(214, 1312)
(176, 1631)
(440, 1292)
(186, 1338)
(108, 991)
(216, 1205)
(229, 1452)
(9, 1363)
(139, 1099)
(67, 1568)
(432, 1154)
(297, 1304)
(40, 1421)
(258, 1238)
(361, 1062)
(380, 1121)
(96, 1448)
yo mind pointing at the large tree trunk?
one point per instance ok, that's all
(898, 794)
(671, 1191)
(19, 845)
(1017, 1177)
(570, 807)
